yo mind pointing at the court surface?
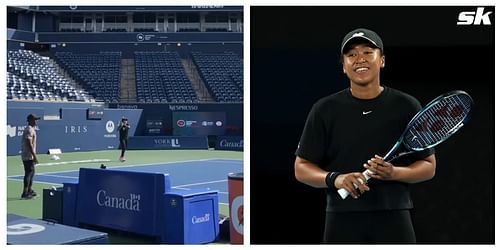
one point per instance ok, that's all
(204, 173)
(188, 169)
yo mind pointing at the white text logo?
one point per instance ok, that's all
(172, 142)
(75, 129)
(197, 220)
(131, 203)
(231, 144)
(477, 17)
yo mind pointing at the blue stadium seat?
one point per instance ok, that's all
(160, 77)
(98, 73)
(222, 73)
(34, 77)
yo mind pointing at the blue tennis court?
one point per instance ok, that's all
(209, 173)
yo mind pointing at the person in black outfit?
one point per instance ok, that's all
(348, 132)
(123, 129)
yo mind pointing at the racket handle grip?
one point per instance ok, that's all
(343, 193)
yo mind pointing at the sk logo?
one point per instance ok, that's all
(477, 17)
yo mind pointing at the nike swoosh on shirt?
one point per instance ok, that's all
(367, 112)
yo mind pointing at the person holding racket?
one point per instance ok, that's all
(347, 133)
(123, 129)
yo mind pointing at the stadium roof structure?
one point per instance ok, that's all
(114, 8)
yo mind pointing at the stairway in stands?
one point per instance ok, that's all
(128, 84)
(196, 81)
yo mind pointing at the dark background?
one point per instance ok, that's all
(295, 61)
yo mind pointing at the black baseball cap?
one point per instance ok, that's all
(32, 117)
(361, 35)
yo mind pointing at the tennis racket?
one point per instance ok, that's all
(435, 123)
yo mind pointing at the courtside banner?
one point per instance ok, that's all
(123, 200)
(69, 130)
(168, 142)
(234, 143)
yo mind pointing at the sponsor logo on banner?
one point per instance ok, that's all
(202, 219)
(231, 144)
(130, 203)
(11, 130)
(207, 6)
(75, 129)
(140, 37)
(218, 123)
(110, 128)
(207, 123)
(174, 142)
(126, 106)
(184, 123)
(181, 123)
(183, 107)
(191, 123)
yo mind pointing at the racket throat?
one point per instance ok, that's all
(391, 155)
(399, 155)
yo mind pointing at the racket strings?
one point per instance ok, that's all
(438, 121)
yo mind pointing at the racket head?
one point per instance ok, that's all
(438, 120)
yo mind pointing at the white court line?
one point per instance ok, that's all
(41, 182)
(224, 160)
(129, 166)
(199, 183)
(58, 176)
(70, 162)
(172, 162)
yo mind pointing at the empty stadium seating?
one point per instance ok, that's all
(99, 73)
(34, 77)
(160, 77)
(222, 73)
